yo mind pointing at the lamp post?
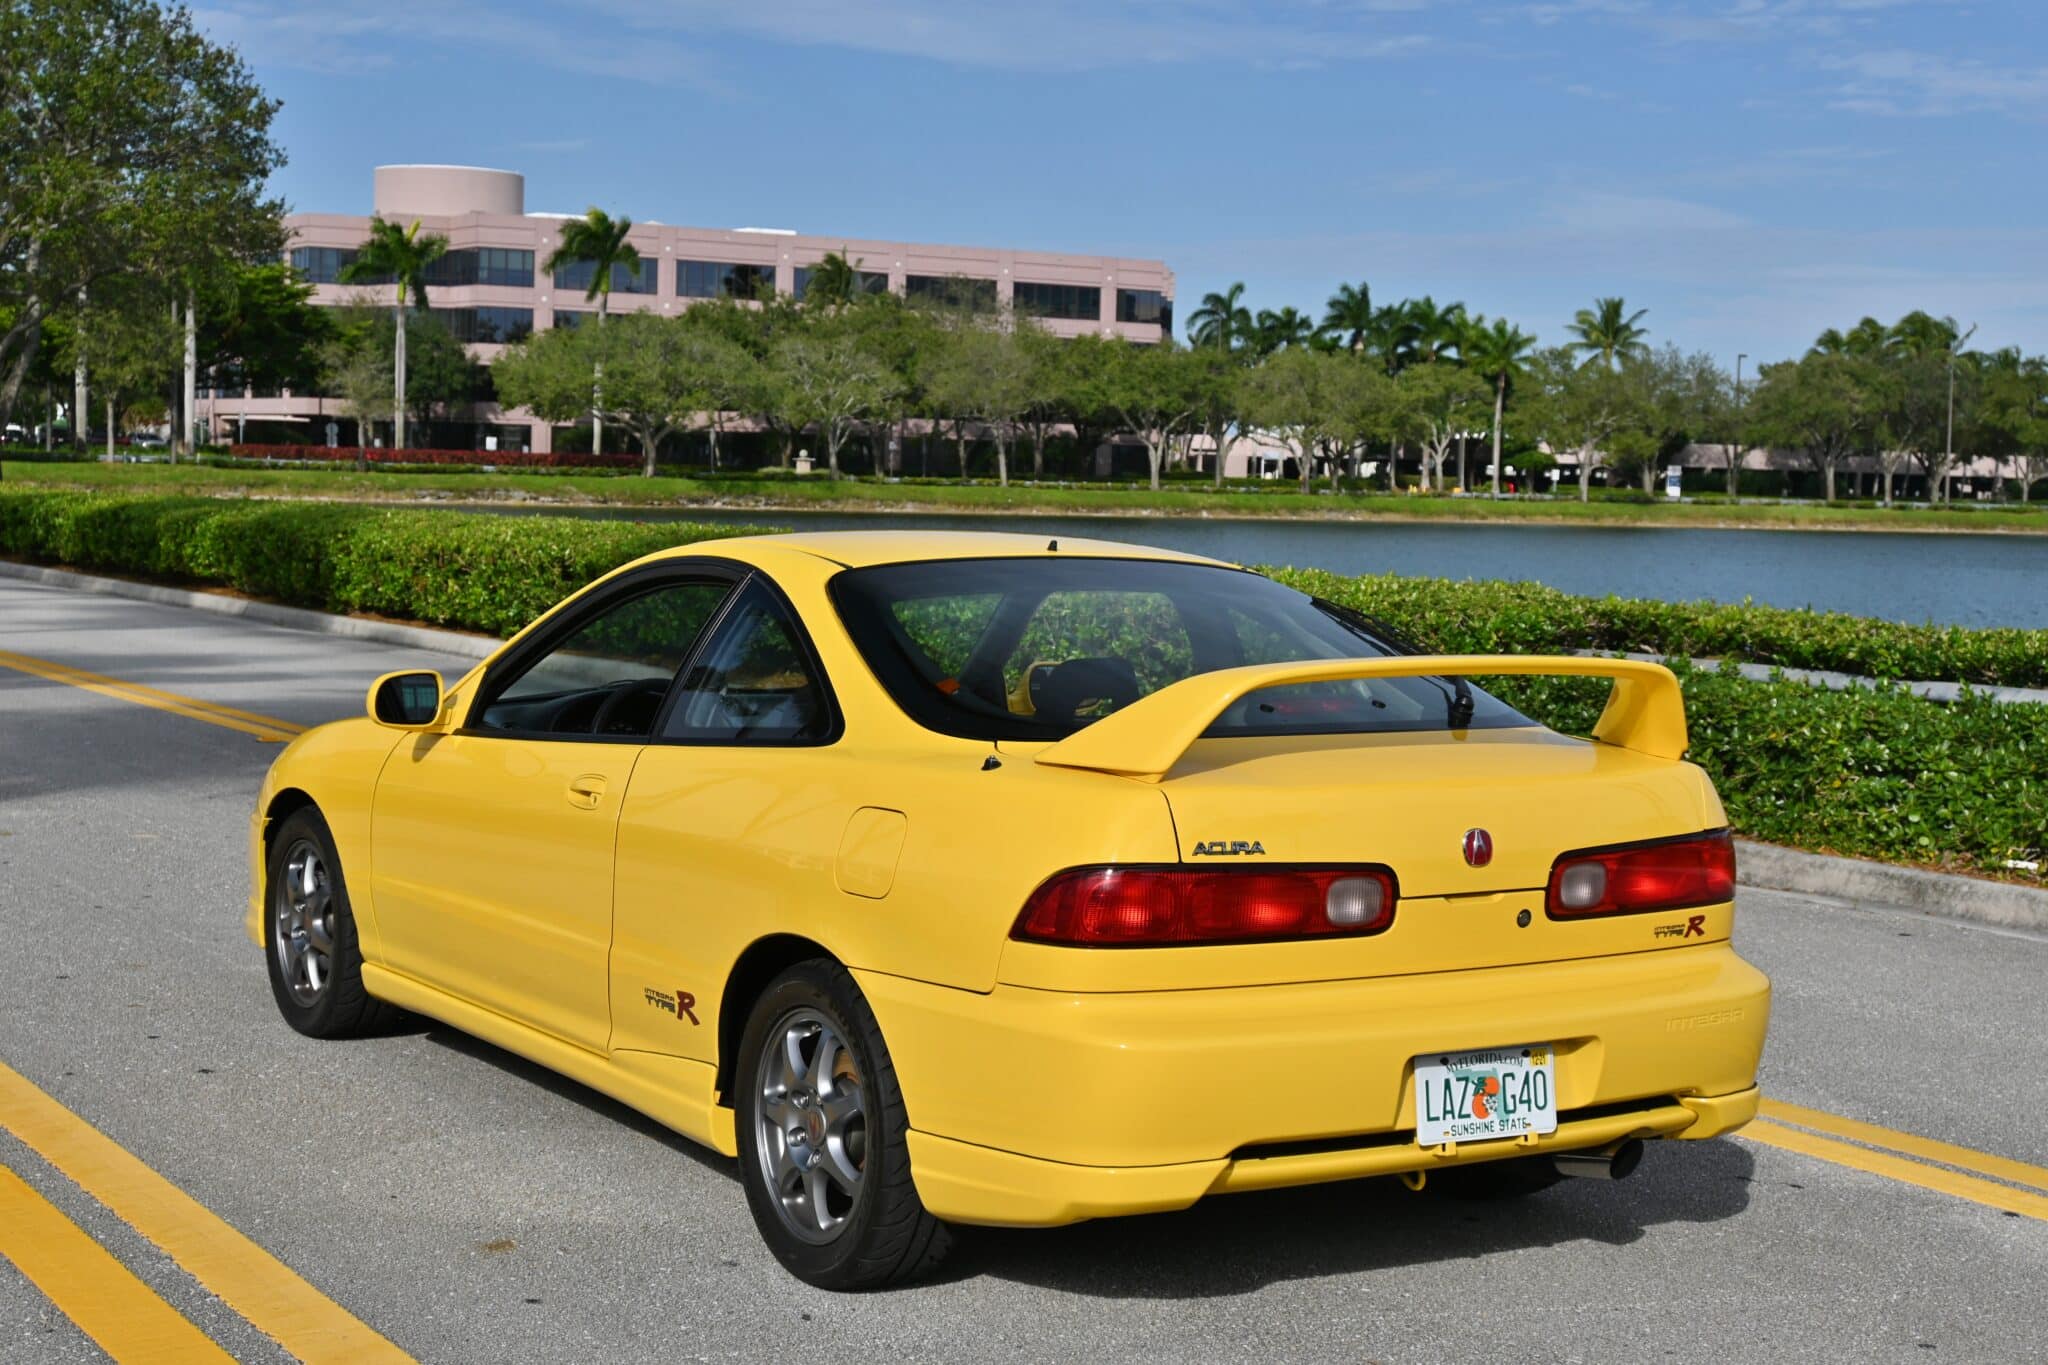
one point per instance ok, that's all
(1948, 452)
(1735, 451)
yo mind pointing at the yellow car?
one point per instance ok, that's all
(980, 879)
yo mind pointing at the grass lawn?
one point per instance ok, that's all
(855, 495)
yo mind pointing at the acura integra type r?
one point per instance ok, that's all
(979, 879)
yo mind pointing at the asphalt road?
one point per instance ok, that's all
(472, 1207)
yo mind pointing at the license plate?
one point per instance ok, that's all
(1474, 1096)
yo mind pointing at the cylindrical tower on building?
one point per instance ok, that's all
(444, 191)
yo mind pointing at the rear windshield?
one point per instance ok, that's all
(1039, 648)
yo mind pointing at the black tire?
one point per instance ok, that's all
(332, 1004)
(1514, 1178)
(882, 1235)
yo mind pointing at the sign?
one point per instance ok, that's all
(1672, 474)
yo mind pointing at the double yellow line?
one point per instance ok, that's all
(1996, 1181)
(108, 1302)
(248, 722)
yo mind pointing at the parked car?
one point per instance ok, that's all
(979, 879)
(147, 440)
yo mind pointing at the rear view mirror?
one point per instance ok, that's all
(406, 701)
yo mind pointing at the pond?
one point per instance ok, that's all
(1968, 580)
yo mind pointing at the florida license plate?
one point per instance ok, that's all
(1474, 1096)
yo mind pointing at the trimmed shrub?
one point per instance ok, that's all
(466, 570)
(1489, 617)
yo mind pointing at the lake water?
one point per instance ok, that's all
(1970, 580)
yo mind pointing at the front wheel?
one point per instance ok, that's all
(821, 1135)
(309, 936)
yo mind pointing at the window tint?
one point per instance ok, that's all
(1038, 648)
(610, 675)
(753, 682)
(1077, 301)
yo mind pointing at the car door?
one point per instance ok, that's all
(492, 847)
(730, 823)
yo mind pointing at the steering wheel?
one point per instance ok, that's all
(1059, 693)
(630, 690)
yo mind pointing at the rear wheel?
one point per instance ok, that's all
(309, 936)
(821, 1135)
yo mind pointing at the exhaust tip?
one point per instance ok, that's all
(1617, 1162)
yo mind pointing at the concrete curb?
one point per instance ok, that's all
(1765, 866)
(269, 613)
(1976, 900)
(1842, 682)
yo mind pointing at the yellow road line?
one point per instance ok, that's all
(128, 1319)
(213, 713)
(242, 1274)
(1928, 1149)
(1898, 1168)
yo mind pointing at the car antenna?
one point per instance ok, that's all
(1052, 545)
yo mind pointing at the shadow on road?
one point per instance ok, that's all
(1238, 1243)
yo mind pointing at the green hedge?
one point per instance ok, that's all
(469, 571)
(1517, 618)
(1876, 774)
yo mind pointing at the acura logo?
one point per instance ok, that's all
(1478, 847)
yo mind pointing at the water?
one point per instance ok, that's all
(1968, 580)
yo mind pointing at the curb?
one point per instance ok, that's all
(1946, 692)
(1767, 867)
(269, 613)
(1976, 900)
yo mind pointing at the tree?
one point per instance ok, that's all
(1155, 393)
(1821, 404)
(1348, 317)
(131, 340)
(599, 241)
(1672, 400)
(1287, 329)
(439, 372)
(2008, 420)
(831, 378)
(260, 326)
(983, 371)
(1431, 332)
(1298, 399)
(1608, 333)
(1439, 402)
(1497, 353)
(1580, 408)
(834, 282)
(1222, 320)
(130, 146)
(399, 256)
(359, 378)
(659, 376)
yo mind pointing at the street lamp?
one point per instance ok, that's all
(1735, 453)
(1948, 454)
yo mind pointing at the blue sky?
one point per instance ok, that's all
(1751, 171)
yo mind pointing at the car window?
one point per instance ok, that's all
(1037, 648)
(609, 676)
(753, 682)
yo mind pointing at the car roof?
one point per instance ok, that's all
(860, 549)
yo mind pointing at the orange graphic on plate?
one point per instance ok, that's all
(1489, 1086)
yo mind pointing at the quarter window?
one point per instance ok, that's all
(753, 682)
(609, 676)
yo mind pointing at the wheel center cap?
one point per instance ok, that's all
(814, 1126)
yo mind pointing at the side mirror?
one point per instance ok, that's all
(406, 701)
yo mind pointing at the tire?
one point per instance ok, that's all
(309, 936)
(1514, 1178)
(821, 1137)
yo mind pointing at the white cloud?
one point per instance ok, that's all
(1898, 81)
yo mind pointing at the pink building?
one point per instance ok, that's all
(491, 289)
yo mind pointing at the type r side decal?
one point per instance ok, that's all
(682, 1004)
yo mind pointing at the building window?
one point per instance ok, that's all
(723, 279)
(577, 275)
(490, 326)
(481, 265)
(1074, 301)
(1145, 305)
(864, 281)
(321, 264)
(954, 290)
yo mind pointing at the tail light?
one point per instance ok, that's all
(1670, 874)
(1146, 907)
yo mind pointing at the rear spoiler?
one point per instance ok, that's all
(1645, 712)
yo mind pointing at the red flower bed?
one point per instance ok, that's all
(410, 455)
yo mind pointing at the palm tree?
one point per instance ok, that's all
(1222, 321)
(1349, 315)
(832, 281)
(1391, 337)
(1608, 332)
(1433, 331)
(1921, 334)
(1497, 351)
(598, 239)
(1867, 338)
(401, 257)
(1278, 331)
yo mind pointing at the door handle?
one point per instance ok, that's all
(586, 791)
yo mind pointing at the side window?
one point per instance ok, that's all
(753, 682)
(610, 675)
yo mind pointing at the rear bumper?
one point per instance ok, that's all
(1039, 1107)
